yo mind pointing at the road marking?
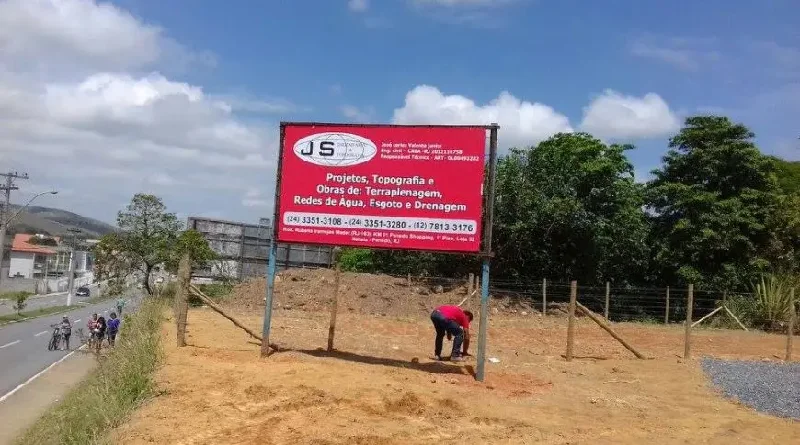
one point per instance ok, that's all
(35, 376)
(77, 321)
(41, 333)
(9, 344)
(105, 312)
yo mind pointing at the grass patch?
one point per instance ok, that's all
(45, 311)
(113, 390)
(13, 295)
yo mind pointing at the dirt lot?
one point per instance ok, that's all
(373, 391)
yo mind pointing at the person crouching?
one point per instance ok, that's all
(453, 322)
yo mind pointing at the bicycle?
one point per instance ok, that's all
(55, 340)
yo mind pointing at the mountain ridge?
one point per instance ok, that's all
(56, 222)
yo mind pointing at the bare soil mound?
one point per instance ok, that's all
(383, 295)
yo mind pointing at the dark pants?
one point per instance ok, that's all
(112, 337)
(444, 326)
(66, 338)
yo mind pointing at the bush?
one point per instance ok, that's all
(215, 291)
(20, 300)
(768, 307)
(113, 390)
(357, 260)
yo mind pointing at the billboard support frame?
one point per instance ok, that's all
(485, 252)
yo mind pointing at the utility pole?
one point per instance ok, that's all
(7, 187)
(71, 279)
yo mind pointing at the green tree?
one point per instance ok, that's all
(569, 208)
(787, 174)
(20, 302)
(711, 203)
(148, 237)
(194, 243)
(784, 222)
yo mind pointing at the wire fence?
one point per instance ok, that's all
(617, 303)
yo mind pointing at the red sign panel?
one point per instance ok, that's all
(382, 186)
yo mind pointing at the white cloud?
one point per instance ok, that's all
(356, 114)
(77, 113)
(358, 5)
(686, 54)
(615, 116)
(253, 198)
(44, 34)
(522, 123)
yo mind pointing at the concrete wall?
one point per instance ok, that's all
(21, 263)
(244, 249)
(18, 285)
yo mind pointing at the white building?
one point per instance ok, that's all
(32, 259)
(28, 259)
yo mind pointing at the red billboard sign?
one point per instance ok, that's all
(389, 187)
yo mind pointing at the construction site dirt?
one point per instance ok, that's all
(380, 385)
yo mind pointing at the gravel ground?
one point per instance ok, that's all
(768, 387)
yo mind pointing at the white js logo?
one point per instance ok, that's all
(335, 149)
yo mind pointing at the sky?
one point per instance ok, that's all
(100, 100)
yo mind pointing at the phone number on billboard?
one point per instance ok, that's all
(431, 225)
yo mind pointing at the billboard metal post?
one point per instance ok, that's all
(487, 252)
(273, 253)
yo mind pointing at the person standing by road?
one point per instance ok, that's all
(66, 331)
(120, 305)
(453, 322)
(112, 329)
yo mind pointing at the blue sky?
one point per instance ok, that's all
(628, 70)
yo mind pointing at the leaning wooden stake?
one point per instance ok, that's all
(573, 296)
(687, 339)
(335, 300)
(182, 298)
(709, 315)
(210, 303)
(741, 325)
(790, 327)
(608, 329)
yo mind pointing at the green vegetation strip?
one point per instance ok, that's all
(42, 312)
(106, 398)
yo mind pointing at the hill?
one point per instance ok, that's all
(55, 222)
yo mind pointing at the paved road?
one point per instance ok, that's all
(23, 345)
(42, 301)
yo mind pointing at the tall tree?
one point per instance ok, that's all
(710, 204)
(147, 239)
(569, 208)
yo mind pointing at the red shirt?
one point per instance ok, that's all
(456, 314)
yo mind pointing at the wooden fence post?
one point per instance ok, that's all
(573, 297)
(182, 297)
(666, 310)
(790, 328)
(544, 296)
(470, 278)
(335, 303)
(608, 299)
(687, 340)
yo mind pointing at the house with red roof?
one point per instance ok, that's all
(30, 255)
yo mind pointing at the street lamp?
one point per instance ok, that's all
(4, 225)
